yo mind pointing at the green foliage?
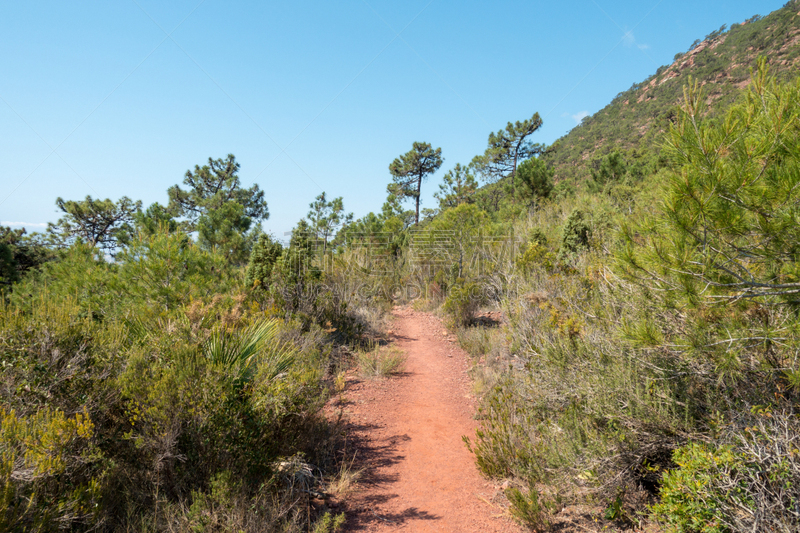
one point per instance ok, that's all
(9, 255)
(507, 149)
(689, 499)
(329, 523)
(265, 254)
(412, 168)
(536, 236)
(535, 254)
(727, 236)
(150, 392)
(294, 274)
(462, 302)
(210, 188)
(81, 275)
(44, 459)
(215, 510)
(381, 362)
(241, 352)
(731, 202)
(8, 266)
(746, 480)
(100, 223)
(563, 190)
(385, 231)
(225, 230)
(20, 254)
(575, 235)
(154, 219)
(613, 364)
(456, 237)
(165, 270)
(325, 217)
(176, 382)
(476, 341)
(536, 180)
(531, 509)
(457, 187)
(612, 169)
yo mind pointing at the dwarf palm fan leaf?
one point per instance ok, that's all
(254, 347)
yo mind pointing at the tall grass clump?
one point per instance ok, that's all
(381, 362)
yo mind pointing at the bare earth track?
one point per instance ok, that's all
(407, 434)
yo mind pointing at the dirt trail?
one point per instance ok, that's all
(408, 431)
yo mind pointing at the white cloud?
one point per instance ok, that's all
(579, 116)
(26, 224)
(629, 40)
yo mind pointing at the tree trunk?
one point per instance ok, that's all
(514, 176)
(419, 188)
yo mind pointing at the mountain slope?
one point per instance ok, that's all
(636, 118)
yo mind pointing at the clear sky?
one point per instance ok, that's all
(114, 98)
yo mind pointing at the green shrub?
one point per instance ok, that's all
(476, 341)
(531, 509)
(329, 523)
(180, 385)
(575, 235)
(746, 481)
(265, 254)
(462, 302)
(690, 499)
(536, 180)
(165, 270)
(46, 480)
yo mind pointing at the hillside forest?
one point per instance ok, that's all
(166, 368)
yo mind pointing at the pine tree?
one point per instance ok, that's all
(412, 168)
(266, 252)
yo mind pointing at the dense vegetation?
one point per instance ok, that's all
(161, 389)
(165, 369)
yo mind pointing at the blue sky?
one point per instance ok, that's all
(120, 98)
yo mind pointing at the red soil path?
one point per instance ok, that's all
(407, 432)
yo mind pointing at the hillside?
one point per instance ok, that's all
(636, 118)
(630, 347)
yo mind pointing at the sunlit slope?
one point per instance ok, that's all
(636, 118)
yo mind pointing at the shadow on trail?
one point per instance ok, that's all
(367, 517)
(397, 337)
(376, 458)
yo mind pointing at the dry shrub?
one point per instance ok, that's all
(371, 318)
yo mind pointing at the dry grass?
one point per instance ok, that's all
(476, 340)
(489, 348)
(345, 481)
(381, 362)
(426, 305)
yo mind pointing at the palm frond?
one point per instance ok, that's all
(254, 347)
